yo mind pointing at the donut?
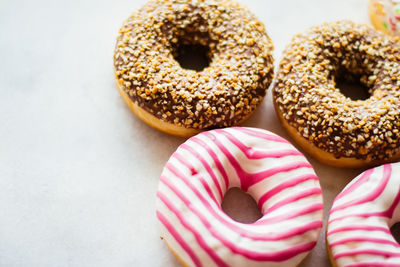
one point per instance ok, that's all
(266, 166)
(358, 231)
(331, 127)
(181, 101)
(385, 16)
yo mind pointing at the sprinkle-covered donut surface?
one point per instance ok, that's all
(385, 15)
(224, 93)
(358, 232)
(307, 98)
(266, 166)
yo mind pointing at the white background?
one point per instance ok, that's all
(78, 171)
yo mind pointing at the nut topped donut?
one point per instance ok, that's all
(328, 125)
(181, 101)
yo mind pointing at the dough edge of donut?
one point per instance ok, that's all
(326, 157)
(163, 126)
(375, 21)
(329, 251)
(153, 121)
(181, 261)
(184, 264)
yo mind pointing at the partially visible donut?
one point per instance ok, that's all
(181, 101)
(358, 231)
(385, 16)
(331, 127)
(270, 169)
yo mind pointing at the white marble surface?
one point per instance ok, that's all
(78, 171)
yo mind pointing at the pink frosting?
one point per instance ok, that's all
(370, 197)
(353, 186)
(367, 205)
(201, 167)
(178, 238)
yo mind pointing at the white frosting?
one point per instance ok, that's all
(358, 232)
(196, 228)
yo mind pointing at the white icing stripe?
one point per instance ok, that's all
(358, 232)
(199, 173)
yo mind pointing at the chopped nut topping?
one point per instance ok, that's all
(307, 97)
(223, 94)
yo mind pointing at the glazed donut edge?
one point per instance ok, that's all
(328, 158)
(153, 121)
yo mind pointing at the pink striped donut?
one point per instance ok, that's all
(268, 167)
(358, 232)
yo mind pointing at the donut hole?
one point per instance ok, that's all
(240, 206)
(395, 230)
(352, 87)
(192, 46)
(351, 72)
(192, 56)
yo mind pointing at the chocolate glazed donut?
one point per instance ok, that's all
(181, 101)
(331, 127)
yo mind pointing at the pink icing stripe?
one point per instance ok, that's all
(374, 252)
(273, 236)
(392, 23)
(252, 153)
(364, 239)
(206, 166)
(214, 256)
(180, 158)
(216, 211)
(287, 184)
(295, 231)
(293, 198)
(243, 232)
(225, 220)
(363, 215)
(179, 175)
(208, 189)
(260, 176)
(364, 177)
(214, 156)
(269, 137)
(239, 171)
(387, 213)
(253, 255)
(359, 228)
(247, 180)
(290, 215)
(387, 171)
(277, 256)
(286, 201)
(194, 174)
(178, 239)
